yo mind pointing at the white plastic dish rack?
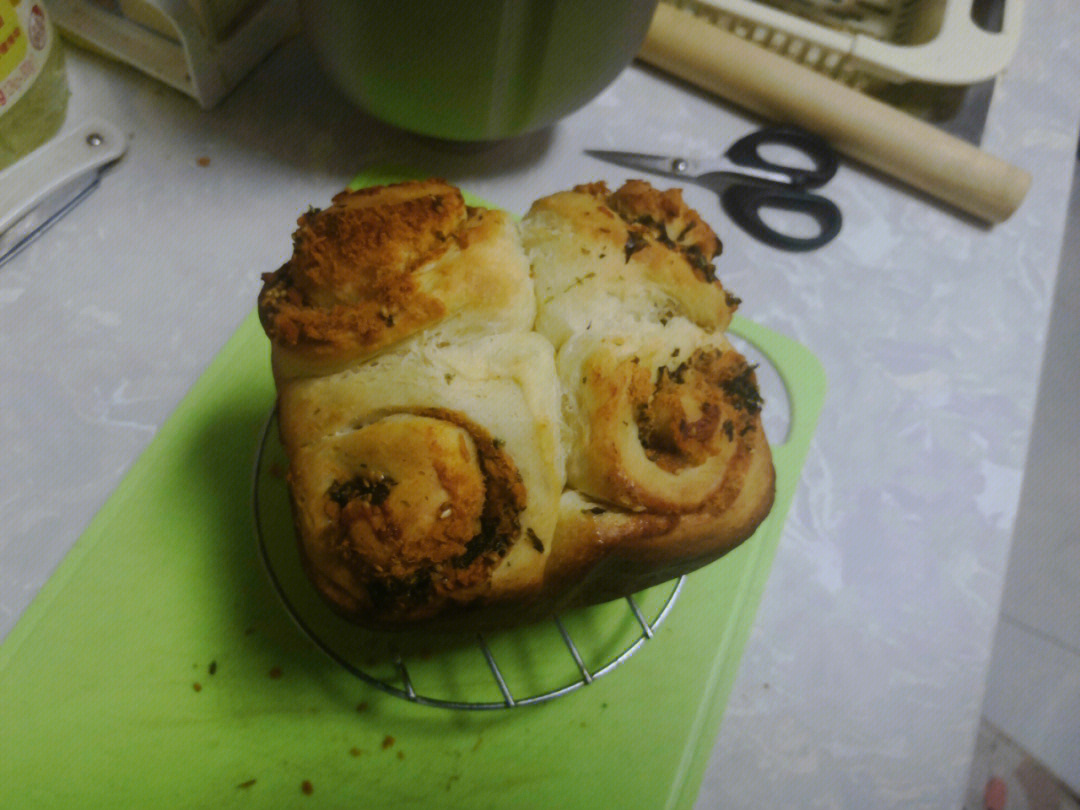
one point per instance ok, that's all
(868, 43)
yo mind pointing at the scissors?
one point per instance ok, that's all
(747, 183)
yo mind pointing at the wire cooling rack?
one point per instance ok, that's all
(614, 632)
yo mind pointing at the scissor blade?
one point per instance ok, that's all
(656, 164)
(715, 176)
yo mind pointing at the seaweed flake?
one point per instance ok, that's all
(373, 488)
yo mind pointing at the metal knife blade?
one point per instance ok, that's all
(41, 187)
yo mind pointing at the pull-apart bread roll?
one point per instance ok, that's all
(636, 252)
(384, 264)
(416, 409)
(668, 466)
(428, 480)
(488, 422)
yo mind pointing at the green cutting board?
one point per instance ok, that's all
(158, 667)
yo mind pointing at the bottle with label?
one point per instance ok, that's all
(33, 83)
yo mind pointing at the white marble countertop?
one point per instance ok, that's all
(862, 680)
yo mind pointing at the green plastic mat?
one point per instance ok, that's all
(158, 667)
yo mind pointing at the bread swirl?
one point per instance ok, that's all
(658, 418)
(487, 422)
(429, 479)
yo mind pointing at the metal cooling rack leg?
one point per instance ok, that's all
(585, 674)
(495, 671)
(645, 626)
(405, 679)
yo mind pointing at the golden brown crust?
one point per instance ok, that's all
(349, 282)
(636, 250)
(655, 217)
(383, 264)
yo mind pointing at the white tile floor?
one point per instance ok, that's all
(1032, 707)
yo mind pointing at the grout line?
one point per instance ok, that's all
(1042, 634)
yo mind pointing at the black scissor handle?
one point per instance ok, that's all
(744, 203)
(746, 152)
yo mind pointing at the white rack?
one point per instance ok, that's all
(867, 42)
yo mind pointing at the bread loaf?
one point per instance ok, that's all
(489, 421)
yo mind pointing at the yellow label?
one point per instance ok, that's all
(25, 39)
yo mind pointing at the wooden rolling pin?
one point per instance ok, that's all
(863, 128)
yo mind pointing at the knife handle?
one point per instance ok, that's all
(28, 182)
(865, 129)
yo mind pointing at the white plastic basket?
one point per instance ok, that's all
(865, 43)
(201, 47)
